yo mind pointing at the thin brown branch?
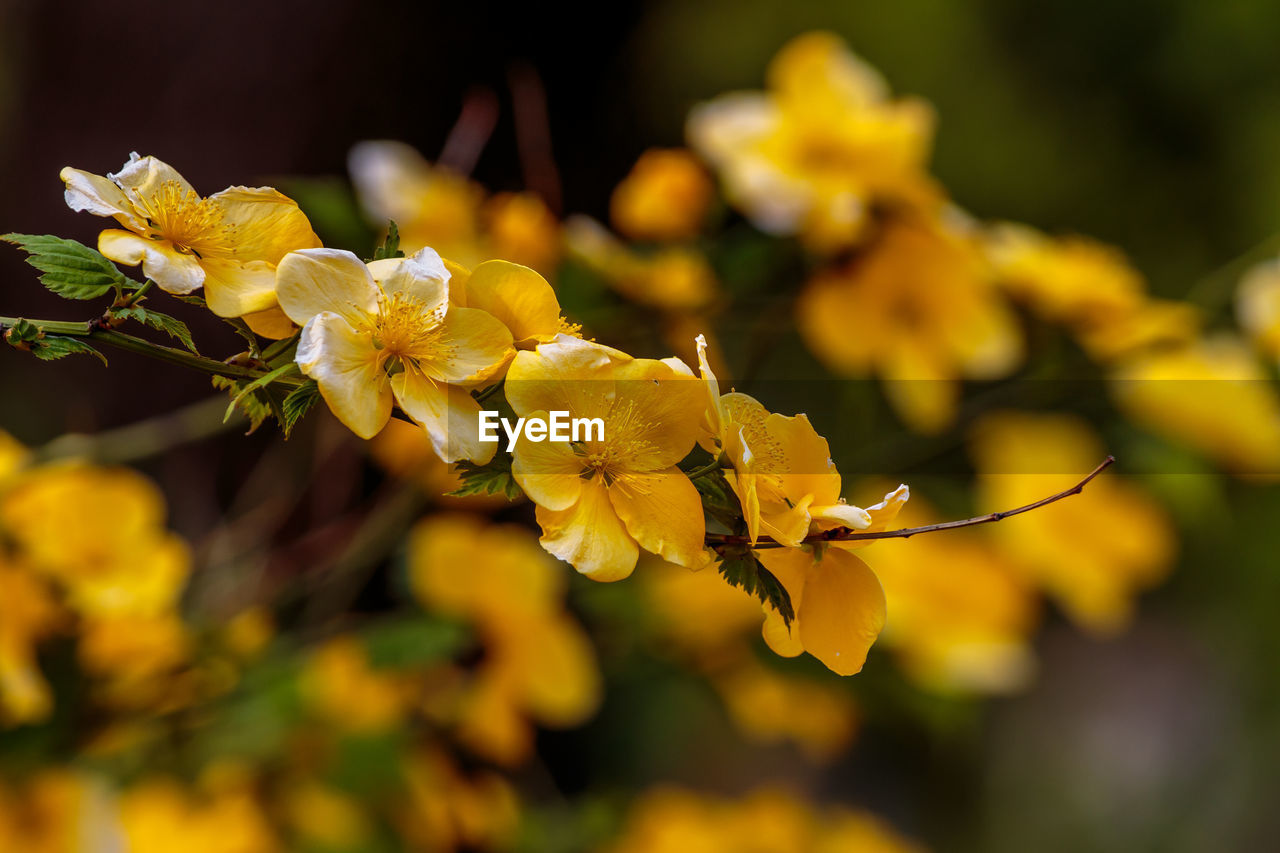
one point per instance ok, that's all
(471, 132)
(845, 534)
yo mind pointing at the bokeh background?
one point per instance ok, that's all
(1149, 125)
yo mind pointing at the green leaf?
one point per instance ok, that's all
(256, 409)
(742, 569)
(53, 347)
(411, 642)
(491, 479)
(171, 326)
(390, 247)
(70, 269)
(258, 384)
(297, 404)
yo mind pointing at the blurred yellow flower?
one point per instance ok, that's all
(59, 811)
(771, 706)
(157, 813)
(449, 810)
(960, 613)
(434, 206)
(824, 144)
(228, 243)
(28, 613)
(99, 533)
(601, 500)
(1258, 306)
(326, 818)
(1093, 553)
(664, 199)
(1212, 395)
(674, 820)
(342, 687)
(919, 308)
(670, 278)
(538, 661)
(386, 331)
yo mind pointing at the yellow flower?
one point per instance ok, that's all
(961, 613)
(665, 198)
(521, 228)
(1211, 395)
(782, 470)
(538, 662)
(769, 706)
(600, 501)
(28, 613)
(673, 278)
(434, 206)
(386, 331)
(1093, 553)
(228, 243)
(342, 687)
(920, 309)
(1258, 306)
(516, 295)
(59, 811)
(98, 532)
(815, 153)
(158, 812)
(450, 810)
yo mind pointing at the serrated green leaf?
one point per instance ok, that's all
(258, 384)
(742, 569)
(297, 404)
(390, 247)
(70, 269)
(171, 326)
(53, 347)
(252, 405)
(492, 479)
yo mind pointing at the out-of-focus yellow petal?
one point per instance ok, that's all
(665, 197)
(517, 296)
(174, 271)
(312, 281)
(663, 512)
(344, 364)
(449, 414)
(558, 678)
(590, 536)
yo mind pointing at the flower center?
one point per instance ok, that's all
(408, 329)
(194, 225)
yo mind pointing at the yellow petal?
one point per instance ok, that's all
(663, 512)
(450, 415)
(345, 366)
(520, 298)
(806, 468)
(557, 675)
(99, 196)
(422, 276)
(174, 271)
(272, 323)
(790, 566)
(565, 375)
(472, 347)
(459, 277)
(315, 280)
(233, 288)
(660, 409)
(268, 224)
(548, 471)
(590, 536)
(842, 612)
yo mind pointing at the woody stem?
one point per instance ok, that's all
(844, 534)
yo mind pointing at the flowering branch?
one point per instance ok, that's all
(845, 534)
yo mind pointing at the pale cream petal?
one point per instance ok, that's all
(173, 271)
(142, 177)
(841, 515)
(450, 415)
(314, 280)
(268, 224)
(233, 288)
(548, 471)
(663, 512)
(99, 196)
(344, 364)
(423, 276)
(590, 536)
(518, 296)
(389, 178)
